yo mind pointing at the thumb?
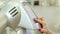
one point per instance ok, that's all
(42, 30)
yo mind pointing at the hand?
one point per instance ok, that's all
(44, 29)
(41, 21)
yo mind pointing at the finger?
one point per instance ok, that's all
(40, 29)
(41, 22)
(37, 20)
(44, 30)
(41, 18)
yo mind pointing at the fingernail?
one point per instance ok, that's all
(39, 29)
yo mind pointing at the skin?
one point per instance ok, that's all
(45, 30)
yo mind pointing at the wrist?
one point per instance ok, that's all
(49, 32)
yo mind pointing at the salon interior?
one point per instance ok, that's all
(21, 21)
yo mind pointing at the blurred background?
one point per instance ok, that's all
(49, 9)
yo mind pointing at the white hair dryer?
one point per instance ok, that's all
(18, 14)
